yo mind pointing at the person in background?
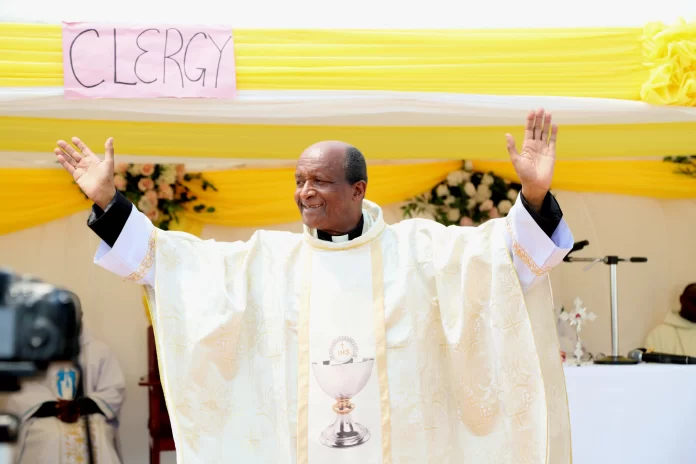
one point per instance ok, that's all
(52, 410)
(677, 334)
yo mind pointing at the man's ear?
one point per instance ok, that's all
(359, 189)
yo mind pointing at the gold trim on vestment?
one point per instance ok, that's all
(522, 253)
(536, 345)
(147, 261)
(381, 348)
(303, 360)
(565, 385)
(164, 378)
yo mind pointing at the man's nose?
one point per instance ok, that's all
(307, 191)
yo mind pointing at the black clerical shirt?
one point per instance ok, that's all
(109, 223)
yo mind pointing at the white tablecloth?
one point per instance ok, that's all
(643, 414)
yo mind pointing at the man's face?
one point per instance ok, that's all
(326, 200)
(688, 302)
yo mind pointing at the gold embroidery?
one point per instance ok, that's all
(303, 361)
(523, 255)
(147, 261)
(381, 348)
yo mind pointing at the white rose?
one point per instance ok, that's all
(483, 192)
(468, 165)
(512, 194)
(145, 205)
(167, 177)
(449, 200)
(466, 176)
(453, 214)
(487, 179)
(456, 178)
(442, 190)
(469, 189)
(427, 196)
(471, 203)
(486, 205)
(504, 206)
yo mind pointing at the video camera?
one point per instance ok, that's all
(39, 324)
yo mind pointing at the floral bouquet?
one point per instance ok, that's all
(158, 190)
(685, 164)
(465, 198)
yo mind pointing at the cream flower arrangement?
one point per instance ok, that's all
(465, 198)
(159, 191)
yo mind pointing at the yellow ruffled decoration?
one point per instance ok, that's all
(670, 53)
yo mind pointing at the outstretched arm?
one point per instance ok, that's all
(537, 236)
(127, 235)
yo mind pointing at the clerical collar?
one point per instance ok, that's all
(353, 234)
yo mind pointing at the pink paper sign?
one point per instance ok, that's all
(148, 62)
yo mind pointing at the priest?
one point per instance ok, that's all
(53, 410)
(354, 341)
(677, 334)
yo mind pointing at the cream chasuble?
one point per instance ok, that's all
(413, 343)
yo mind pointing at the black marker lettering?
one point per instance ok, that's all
(220, 58)
(72, 66)
(169, 57)
(202, 70)
(116, 81)
(135, 66)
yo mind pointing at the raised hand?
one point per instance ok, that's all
(535, 163)
(93, 175)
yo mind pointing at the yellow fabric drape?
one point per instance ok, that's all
(649, 178)
(596, 62)
(602, 141)
(245, 197)
(670, 52)
(31, 197)
(655, 63)
(262, 197)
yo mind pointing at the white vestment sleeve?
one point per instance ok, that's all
(130, 250)
(533, 252)
(107, 384)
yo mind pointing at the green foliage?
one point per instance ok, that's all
(685, 165)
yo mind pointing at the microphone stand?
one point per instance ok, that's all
(613, 262)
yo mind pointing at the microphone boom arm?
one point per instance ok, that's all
(612, 262)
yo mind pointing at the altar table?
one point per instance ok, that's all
(636, 414)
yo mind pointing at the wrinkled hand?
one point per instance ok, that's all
(534, 164)
(93, 175)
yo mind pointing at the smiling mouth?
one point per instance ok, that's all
(312, 207)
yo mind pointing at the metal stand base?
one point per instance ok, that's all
(615, 360)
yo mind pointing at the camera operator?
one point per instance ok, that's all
(51, 409)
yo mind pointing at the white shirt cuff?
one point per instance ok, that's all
(535, 253)
(132, 256)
